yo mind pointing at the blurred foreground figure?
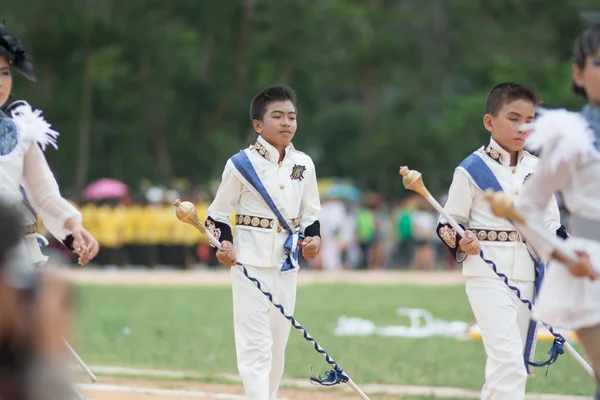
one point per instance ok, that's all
(26, 179)
(570, 163)
(34, 317)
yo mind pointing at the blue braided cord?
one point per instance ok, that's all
(556, 350)
(334, 377)
(557, 347)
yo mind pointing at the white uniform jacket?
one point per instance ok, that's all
(291, 183)
(500, 241)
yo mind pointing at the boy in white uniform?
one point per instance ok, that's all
(272, 187)
(502, 165)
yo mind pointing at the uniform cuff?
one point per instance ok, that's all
(313, 229)
(220, 230)
(562, 233)
(450, 238)
(68, 242)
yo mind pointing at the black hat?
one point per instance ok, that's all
(12, 48)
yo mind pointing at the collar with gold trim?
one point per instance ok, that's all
(501, 156)
(262, 150)
(267, 151)
(494, 154)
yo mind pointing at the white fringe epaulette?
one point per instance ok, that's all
(32, 126)
(560, 135)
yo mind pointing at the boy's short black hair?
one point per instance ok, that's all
(10, 232)
(277, 92)
(587, 43)
(505, 93)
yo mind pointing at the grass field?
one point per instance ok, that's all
(190, 328)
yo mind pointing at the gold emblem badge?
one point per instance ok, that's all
(298, 172)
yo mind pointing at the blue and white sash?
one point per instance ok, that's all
(484, 179)
(480, 173)
(249, 177)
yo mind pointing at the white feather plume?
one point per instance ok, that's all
(33, 126)
(560, 135)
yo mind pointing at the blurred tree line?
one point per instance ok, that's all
(161, 89)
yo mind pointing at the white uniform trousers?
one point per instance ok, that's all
(504, 321)
(261, 331)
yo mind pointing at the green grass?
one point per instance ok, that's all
(190, 328)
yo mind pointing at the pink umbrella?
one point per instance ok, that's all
(105, 189)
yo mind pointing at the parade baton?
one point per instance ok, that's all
(186, 212)
(413, 180)
(81, 363)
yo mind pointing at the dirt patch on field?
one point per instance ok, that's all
(221, 277)
(131, 388)
(139, 389)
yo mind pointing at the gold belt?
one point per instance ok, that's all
(262, 222)
(491, 235)
(31, 229)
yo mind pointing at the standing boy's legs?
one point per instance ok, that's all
(497, 314)
(253, 339)
(261, 332)
(284, 292)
